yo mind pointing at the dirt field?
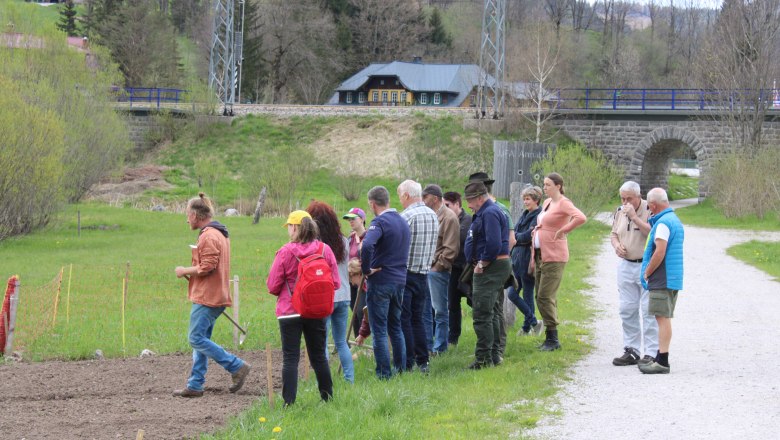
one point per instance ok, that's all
(113, 399)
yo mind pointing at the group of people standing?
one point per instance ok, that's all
(412, 269)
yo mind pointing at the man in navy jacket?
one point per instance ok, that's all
(384, 256)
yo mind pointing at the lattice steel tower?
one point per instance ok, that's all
(225, 54)
(490, 92)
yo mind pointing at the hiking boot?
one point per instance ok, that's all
(498, 361)
(629, 357)
(186, 392)
(424, 369)
(645, 360)
(551, 343)
(654, 368)
(478, 365)
(239, 377)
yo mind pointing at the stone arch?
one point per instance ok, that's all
(650, 162)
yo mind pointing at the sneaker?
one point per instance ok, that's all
(645, 360)
(525, 332)
(498, 361)
(478, 365)
(186, 392)
(424, 369)
(629, 357)
(538, 328)
(239, 377)
(654, 368)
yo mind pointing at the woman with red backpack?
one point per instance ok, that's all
(300, 316)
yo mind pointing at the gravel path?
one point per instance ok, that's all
(724, 352)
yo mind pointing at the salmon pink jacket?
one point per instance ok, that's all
(284, 272)
(211, 286)
(563, 216)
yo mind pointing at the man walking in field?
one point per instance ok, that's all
(662, 273)
(209, 293)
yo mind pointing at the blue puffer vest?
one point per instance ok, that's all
(669, 275)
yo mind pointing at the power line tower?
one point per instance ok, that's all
(490, 92)
(225, 56)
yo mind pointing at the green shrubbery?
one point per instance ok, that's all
(591, 180)
(51, 88)
(747, 183)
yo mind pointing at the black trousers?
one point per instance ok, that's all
(314, 333)
(454, 295)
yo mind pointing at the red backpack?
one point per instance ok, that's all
(314, 288)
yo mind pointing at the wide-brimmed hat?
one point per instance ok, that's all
(474, 189)
(354, 213)
(296, 217)
(481, 177)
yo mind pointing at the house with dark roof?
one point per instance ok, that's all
(410, 83)
(402, 83)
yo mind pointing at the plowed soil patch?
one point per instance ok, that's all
(114, 398)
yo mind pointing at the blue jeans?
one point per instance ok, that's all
(526, 281)
(384, 303)
(337, 322)
(202, 320)
(438, 283)
(428, 322)
(415, 293)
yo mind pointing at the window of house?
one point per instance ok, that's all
(384, 96)
(404, 97)
(473, 100)
(436, 98)
(394, 97)
(396, 82)
(423, 98)
(349, 97)
(361, 97)
(375, 96)
(381, 82)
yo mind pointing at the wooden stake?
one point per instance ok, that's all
(140, 435)
(57, 298)
(235, 311)
(11, 324)
(67, 302)
(269, 374)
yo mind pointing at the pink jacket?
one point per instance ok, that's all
(284, 272)
(565, 217)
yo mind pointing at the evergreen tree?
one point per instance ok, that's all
(67, 22)
(439, 34)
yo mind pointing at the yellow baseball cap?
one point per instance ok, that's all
(295, 217)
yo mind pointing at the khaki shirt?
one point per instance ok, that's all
(629, 234)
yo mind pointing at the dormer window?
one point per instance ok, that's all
(381, 82)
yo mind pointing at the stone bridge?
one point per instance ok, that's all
(643, 142)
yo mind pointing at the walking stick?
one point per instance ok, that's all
(354, 326)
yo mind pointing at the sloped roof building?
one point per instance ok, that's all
(411, 83)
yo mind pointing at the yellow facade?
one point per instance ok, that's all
(381, 98)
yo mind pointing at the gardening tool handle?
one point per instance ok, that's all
(234, 322)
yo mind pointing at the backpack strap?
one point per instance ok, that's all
(322, 249)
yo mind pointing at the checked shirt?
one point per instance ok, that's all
(424, 229)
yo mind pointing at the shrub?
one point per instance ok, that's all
(590, 179)
(747, 183)
(31, 167)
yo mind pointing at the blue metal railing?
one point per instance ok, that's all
(147, 96)
(663, 99)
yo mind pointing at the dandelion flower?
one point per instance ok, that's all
(277, 429)
(261, 420)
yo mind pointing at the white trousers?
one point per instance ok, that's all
(638, 326)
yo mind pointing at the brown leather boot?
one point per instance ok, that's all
(186, 392)
(239, 377)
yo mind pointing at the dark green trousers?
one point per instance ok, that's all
(487, 300)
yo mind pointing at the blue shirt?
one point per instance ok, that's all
(386, 246)
(489, 234)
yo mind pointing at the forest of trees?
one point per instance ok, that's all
(297, 51)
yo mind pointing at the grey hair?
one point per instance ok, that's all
(410, 187)
(631, 187)
(534, 192)
(657, 195)
(379, 195)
